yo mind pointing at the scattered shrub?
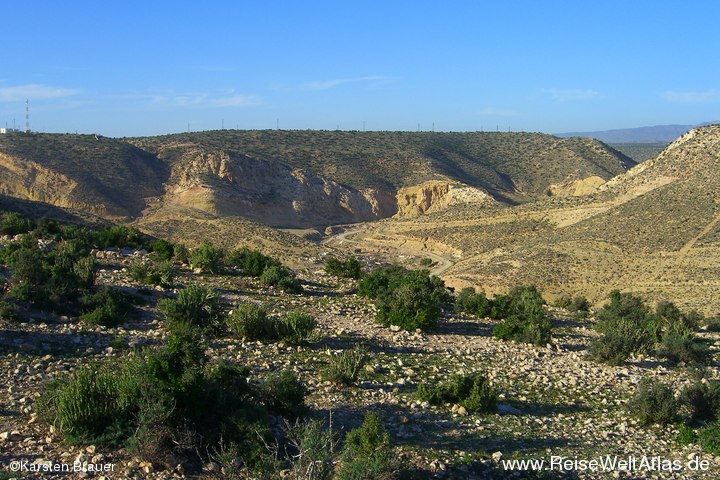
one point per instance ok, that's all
(197, 305)
(579, 305)
(679, 344)
(472, 391)
(702, 400)
(314, 450)
(250, 320)
(345, 368)
(108, 307)
(296, 326)
(381, 280)
(412, 300)
(526, 318)
(8, 311)
(368, 453)
(181, 253)
(120, 236)
(470, 302)
(654, 402)
(276, 275)
(250, 263)
(350, 268)
(151, 272)
(627, 327)
(207, 258)
(283, 393)
(12, 223)
(708, 438)
(162, 249)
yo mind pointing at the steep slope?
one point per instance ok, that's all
(104, 176)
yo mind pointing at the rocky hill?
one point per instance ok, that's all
(652, 230)
(296, 179)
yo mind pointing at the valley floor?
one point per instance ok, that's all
(554, 402)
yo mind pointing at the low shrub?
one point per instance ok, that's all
(472, 391)
(411, 301)
(349, 268)
(150, 272)
(296, 326)
(627, 326)
(708, 437)
(12, 223)
(181, 253)
(367, 453)
(250, 321)
(278, 276)
(313, 450)
(162, 249)
(162, 401)
(654, 402)
(108, 306)
(207, 258)
(120, 236)
(680, 345)
(345, 368)
(702, 400)
(527, 320)
(283, 393)
(469, 301)
(250, 263)
(579, 305)
(197, 305)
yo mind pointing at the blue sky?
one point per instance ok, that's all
(126, 68)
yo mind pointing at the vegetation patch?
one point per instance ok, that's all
(472, 391)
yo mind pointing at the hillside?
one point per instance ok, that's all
(104, 176)
(296, 179)
(656, 133)
(505, 164)
(652, 230)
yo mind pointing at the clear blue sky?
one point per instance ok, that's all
(125, 68)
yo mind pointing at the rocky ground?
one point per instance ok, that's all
(553, 400)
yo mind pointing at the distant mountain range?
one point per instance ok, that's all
(657, 133)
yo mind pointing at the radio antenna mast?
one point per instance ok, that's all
(27, 116)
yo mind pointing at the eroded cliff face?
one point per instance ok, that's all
(271, 193)
(436, 195)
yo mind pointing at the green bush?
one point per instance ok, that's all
(411, 301)
(296, 326)
(283, 393)
(367, 453)
(679, 344)
(471, 391)
(314, 450)
(197, 305)
(152, 272)
(162, 400)
(12, 223)
(250, 263)
(345, 368)
(349, 268)
(108, 306)
(181, 253)
(120, 236)
(654, 402)
(702, 400)
(708, 438)
(162, 249)
(250, 320)
(469, 301)
(579, 304)
(275, 275)
(713, 324)
(381, 281)
(527, 320)
(627, 326)
(8, 311)
(207, 258)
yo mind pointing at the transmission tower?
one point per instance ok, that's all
(27, 116)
